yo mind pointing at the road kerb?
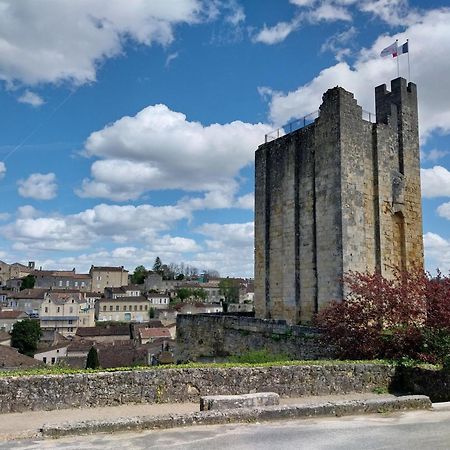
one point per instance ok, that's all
(278, 412)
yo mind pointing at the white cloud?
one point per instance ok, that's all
(168, 244)
(230, 248)
(171, 57)
(369, 70)
(277, 33)
(246, 201)
(4, 216)
(160, 149)
(236, 13)
(302, 2)
(392, 12)
(444, 210)
(2, 169)
(38, 186)
(437, 252)
(31, 98)
(338, 42)
(27, 212)
(433, 155)
(35, 230)
(329, 13)
(51, 41)
(435, 182)
(228, 235)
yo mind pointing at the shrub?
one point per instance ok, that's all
(408, 316)
(92, 359)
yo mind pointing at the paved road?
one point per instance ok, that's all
(410, 430)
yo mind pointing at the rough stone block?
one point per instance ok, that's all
(239, 401)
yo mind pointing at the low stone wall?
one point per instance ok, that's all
(48, 392)
(206, 336)
(432, 383)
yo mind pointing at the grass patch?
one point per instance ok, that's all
(258, 357)
(191, 365)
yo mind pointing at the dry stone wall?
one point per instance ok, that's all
(39, 392)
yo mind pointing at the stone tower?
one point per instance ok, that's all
(341, 194)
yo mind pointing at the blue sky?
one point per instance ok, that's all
(128, 129)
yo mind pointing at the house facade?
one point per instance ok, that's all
(103, 277)
(158, 301)
(14, 271)
(64, 313)
(62, 279)
(9, 318)
(123, 309)
(28, 300)
(52, 355)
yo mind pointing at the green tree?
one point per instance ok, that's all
(25, 336)
(92, 359)
(200, 293)
(151, 313)
(28, 282)
(157, 266)
(184, 293)
(229, 288)
(139, 275)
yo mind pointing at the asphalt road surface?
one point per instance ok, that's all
(408, 430)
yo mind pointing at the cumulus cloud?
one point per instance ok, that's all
(431, 31)
(38, 186)
(2, 169)
(437, 252)
(435, 182)
(119, 224)
(246, 201)
(444, 210)
(160, 149)
(31, 98)
(127, 256)
(88, 31)
(229, 248)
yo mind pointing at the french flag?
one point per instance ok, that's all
(395, 49)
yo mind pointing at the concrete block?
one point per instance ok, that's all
(210, 402)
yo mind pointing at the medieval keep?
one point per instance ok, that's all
(341, 194)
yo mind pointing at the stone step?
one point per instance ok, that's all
(210, 402)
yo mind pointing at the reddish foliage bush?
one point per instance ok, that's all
(382, 318)
(438, 302)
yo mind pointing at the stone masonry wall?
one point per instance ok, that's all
(207, 336)
(339, 195)
(39, 392)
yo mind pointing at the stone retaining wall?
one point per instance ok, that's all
(206, 336)
(48, 392)
(415, 380)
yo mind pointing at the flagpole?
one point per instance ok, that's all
(398, 64)
(409, 67)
